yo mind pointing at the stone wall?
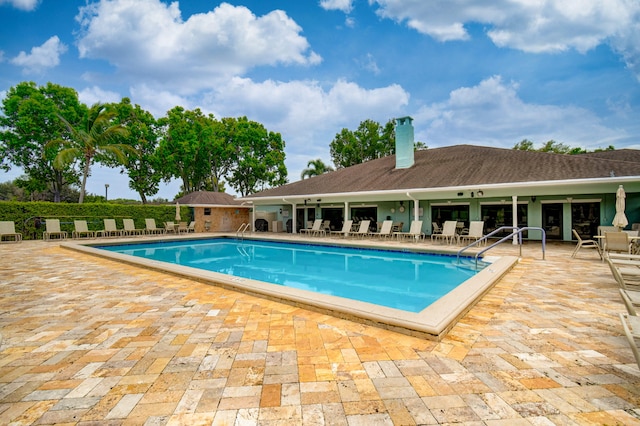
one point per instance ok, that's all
(223, 219)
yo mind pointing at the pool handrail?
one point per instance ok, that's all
(242, 229)
(516, 231)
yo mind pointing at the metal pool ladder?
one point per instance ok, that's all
(515, 231)
(242, 229)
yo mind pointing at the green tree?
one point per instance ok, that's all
(524, 145)
(368, 142)
(259, 161)
(29, 120)
(551, 146)
(181, 148)
(142, 164)
(315, 168)
(219, 150)
(97, 139)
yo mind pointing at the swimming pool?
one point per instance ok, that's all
(399, 280)
(432, 322)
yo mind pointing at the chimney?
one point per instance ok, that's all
(404, 142)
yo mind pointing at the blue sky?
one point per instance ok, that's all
(487, 72)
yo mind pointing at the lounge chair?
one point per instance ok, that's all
(151, 228)
(80, 230)
(585, 243)
(192, 226)
(8, 231)
(183, 228)
(53, 230)
(476, 232)
(627, 277)
(628, 303)
(346, 229)
(448, 234)
(385, 230)
(170, 227)
(130, 228)
(314, 228)
(363, 229)
(325, 228)
(617, 242)
(110, 229)
(415, 231)
(631, 334)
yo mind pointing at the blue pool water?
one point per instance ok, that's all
(401, 280)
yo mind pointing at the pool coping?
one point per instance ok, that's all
(432, 323)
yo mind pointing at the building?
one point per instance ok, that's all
(215, 211)
(502, 187)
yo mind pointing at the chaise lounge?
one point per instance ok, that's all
(8, 230)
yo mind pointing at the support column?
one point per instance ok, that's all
(514, 207)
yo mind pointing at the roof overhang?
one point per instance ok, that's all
(539, 188)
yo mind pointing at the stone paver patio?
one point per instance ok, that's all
(91, 341)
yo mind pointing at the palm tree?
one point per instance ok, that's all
(99, 137)
(315, 168)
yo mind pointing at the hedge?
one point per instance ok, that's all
(29, 217)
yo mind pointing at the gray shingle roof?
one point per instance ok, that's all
(459, 165)
(632, 155)
(208, 198)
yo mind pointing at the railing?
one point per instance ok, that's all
(516, 231)
(242, 229)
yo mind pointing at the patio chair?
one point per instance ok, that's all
(53, 230)
(110, 229)
(80, 230)
(476, 232)
(385, 230)
(314, 228)
(130, 228)
(435, 228)
(415, 231)
(631, 335)
(8, 230)
(617, 242)
(151, 228)
(585, 243)
(192, 226)
(346, 228)
(448, 234)
(183, 228)
(363, 229)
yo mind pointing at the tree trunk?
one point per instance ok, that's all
(85, 175)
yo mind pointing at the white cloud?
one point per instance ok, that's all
(306, 114)
(91, 95)
(27, 5)
(491, 113)
(345, 6)
(41, 57)
(157, 101)
(150, 40)
(528, 25)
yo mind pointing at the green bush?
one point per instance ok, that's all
(29, 217)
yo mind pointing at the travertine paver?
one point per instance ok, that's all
(90, 341)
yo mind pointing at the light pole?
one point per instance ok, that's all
(106, 191)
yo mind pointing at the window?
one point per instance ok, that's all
(460, 213)
(585, 218)
(497, 215)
